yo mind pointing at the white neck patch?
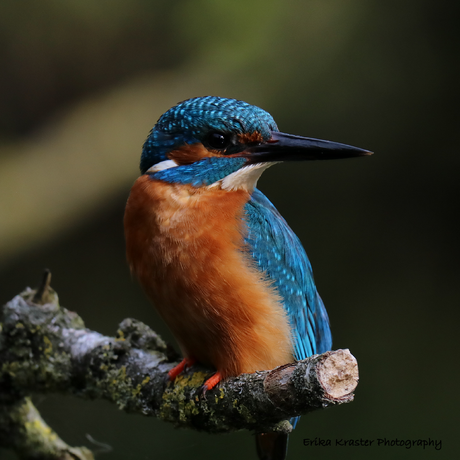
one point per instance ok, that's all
(245, 178)
(162, 165)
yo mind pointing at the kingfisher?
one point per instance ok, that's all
(220, 264)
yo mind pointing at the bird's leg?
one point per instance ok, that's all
(212, 382)
(181, 367)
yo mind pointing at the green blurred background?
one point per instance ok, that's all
(82, 83)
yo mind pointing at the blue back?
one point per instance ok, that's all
(278, 252)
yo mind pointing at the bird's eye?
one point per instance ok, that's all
(218, 141)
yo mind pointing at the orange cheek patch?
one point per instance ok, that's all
(189, 153)
(250, 138)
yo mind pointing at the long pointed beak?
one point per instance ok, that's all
(287, 147)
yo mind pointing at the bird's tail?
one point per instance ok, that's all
(272, 446)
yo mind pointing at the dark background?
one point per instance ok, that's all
(83, 82)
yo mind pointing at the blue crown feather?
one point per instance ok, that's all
(189, 122)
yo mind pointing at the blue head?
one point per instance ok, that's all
(208, 120)
(204, 139)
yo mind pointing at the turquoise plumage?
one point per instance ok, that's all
(280, 254)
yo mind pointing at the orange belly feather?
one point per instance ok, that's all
(186, 246)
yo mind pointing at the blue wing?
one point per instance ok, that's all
(279, 253)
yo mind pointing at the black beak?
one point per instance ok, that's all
(287, 147)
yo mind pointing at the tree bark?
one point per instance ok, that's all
(45, 348)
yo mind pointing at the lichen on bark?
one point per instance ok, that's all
(45, 348)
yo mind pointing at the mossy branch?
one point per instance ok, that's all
(23, 429)
(46, 348)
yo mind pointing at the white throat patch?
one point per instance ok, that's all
(245, 178)
(162, 165)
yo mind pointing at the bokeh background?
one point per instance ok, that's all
(82, 83)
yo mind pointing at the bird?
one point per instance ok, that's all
(223, 268)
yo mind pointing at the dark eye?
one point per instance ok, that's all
(218, 141)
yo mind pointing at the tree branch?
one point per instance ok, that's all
(23, 429)
(46, 348)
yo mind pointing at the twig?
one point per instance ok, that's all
(42, 293)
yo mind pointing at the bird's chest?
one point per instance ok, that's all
(179, 236)
(186, 246)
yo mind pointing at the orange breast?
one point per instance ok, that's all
(186, 246)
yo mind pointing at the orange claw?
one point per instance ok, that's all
(184, 364)
(212, 381)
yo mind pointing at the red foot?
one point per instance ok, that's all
(184, 364)
(212, 382)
